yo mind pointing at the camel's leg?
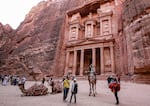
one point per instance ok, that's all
(93, 89)
(90, 90)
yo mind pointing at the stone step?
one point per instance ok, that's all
(142, 78)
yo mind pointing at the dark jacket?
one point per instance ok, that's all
(74, 88)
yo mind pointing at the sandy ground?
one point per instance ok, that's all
(131, 94)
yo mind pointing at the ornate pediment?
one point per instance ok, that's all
(88, 41)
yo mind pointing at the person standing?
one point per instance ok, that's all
(5, 80)
(52, 84)
(66, 86)
(43, 80)
(74, 90)
(23, 80)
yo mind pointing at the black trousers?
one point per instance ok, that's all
(73, 94)
(116, 96)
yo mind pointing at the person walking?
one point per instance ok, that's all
(74, 90)
(66, 86)
(115, 87)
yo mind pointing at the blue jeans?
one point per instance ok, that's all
(66, 90)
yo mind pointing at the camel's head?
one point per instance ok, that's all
(20, 85)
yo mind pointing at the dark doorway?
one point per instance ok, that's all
(78, 63)
(87, 59)
(98, 61)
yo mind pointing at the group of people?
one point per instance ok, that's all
(66, 87)
(13, 80)
(113, 84)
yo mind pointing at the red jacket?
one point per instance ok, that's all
(114, 86)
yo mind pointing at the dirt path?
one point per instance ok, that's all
(131, 94)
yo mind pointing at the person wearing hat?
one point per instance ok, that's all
(74, 90)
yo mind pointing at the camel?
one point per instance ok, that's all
(56, 86)
(92, 81)
(92, 84)
(35, 90)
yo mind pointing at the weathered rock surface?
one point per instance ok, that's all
(37, 45)
(5, 38)
(136, 20)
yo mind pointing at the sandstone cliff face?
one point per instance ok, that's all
(136, 21)
(37, 44)
(5, 38)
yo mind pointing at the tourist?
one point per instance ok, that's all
(74, 90)
(11, 80)
(2, 78)
(17, 80)
(52, 84)
(4, 83)
(115, 87)
(66, 86)
(23, 80)
(43, 80)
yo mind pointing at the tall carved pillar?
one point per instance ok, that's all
(94, 57)
(102, 59)
(81, 62)
(67, 61)
(112, 59)
(74, 62)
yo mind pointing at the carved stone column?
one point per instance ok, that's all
(74, 62)
(112, 59)
(67, 60)
(94, 57)
(102, 59)
(81, 62)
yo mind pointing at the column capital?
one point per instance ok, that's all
(111, 46)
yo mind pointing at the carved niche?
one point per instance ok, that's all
(74, 27)
(89, 26)
(105, 22)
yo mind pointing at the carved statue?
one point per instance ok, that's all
(35, 90)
